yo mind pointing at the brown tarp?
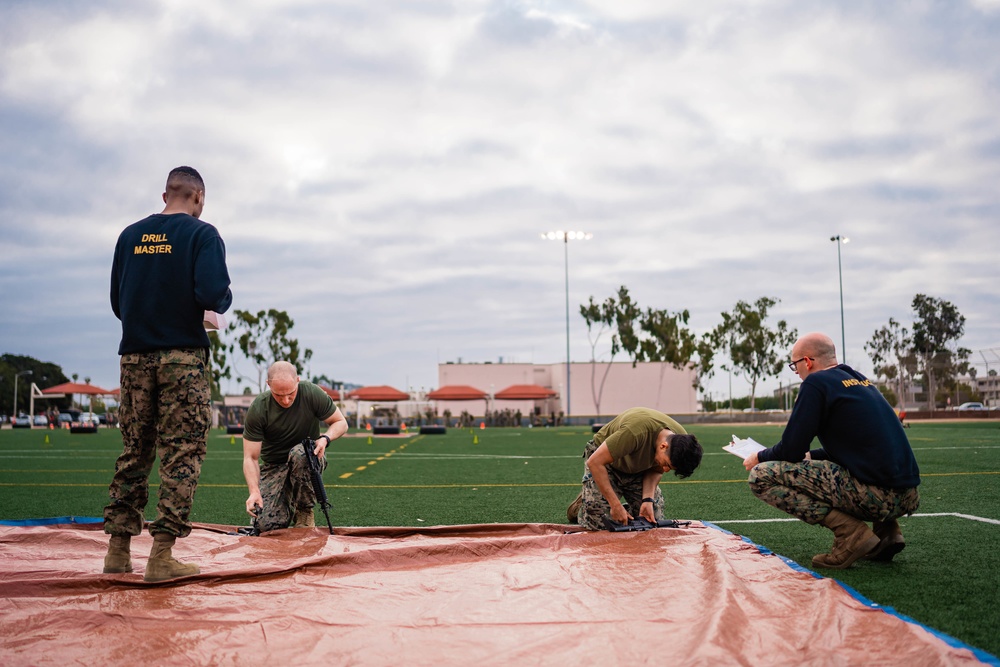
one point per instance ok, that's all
(503, 594)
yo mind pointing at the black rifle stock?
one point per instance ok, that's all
(316, 474)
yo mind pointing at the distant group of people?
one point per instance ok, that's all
(170, 267)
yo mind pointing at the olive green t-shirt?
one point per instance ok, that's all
(279, 429)
(631, 438)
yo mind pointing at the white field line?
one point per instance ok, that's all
(76, 455)
(970, 517)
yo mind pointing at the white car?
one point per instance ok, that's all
(975, 405)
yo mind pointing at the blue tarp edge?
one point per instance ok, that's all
(51, 521)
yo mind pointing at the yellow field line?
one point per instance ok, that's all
(469, 484)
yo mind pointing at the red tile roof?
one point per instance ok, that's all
(525, 392)
(457, 392)
(378, 393)
(77, 388)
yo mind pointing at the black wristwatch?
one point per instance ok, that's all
(646, 500)
(328, 438)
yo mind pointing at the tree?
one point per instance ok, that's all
(650, 335)
(937, 327)
(888, 349)
(324, 380)
(262, 338)
(753, 348)
(618, 317)
(667, 338)
(43, 373)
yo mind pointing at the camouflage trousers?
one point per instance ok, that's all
(286, 488)
(810, 489)
(625, 485)
(165, 411)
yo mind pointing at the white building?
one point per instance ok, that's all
(597, 391)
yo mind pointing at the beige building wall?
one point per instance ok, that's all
(651, 385)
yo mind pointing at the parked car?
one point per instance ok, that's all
(40, 420)
(86, 422)
(974, 405)
(20, 421)
(64, 420)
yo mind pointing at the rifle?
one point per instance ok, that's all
(641, 524)
(316, 474)
(253, 530)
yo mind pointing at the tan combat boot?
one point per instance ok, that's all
(304, 519)
(573, 511)
(852, 540)
(891, 541)
(118, 560)
(162, 565)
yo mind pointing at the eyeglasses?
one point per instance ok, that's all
(796, 362)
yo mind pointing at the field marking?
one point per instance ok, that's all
(470, 485)
(970, 517)
(332, 454)
(962, 516)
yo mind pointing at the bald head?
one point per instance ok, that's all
(817, 345)
(282, 370)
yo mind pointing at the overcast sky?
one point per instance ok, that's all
(382, 171)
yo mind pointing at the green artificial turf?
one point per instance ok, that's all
(947, 577)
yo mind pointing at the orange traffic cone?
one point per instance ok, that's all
(368, 426)
(482, 425)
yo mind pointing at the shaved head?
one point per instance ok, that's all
(816, 345)
(282, 370)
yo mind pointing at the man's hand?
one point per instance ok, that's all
(320, 447)
(254, 502)
(647, 513)
(750, 461)
(619, 515)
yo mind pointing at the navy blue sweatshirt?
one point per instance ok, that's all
(167, 271)
(856, 427)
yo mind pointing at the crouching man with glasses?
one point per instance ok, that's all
(864, 469)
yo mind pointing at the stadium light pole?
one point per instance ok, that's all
(566, 237)
(839, 240)
(17, 375)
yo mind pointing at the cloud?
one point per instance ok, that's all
(382, 172)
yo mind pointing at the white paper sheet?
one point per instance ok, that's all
(743, 447)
